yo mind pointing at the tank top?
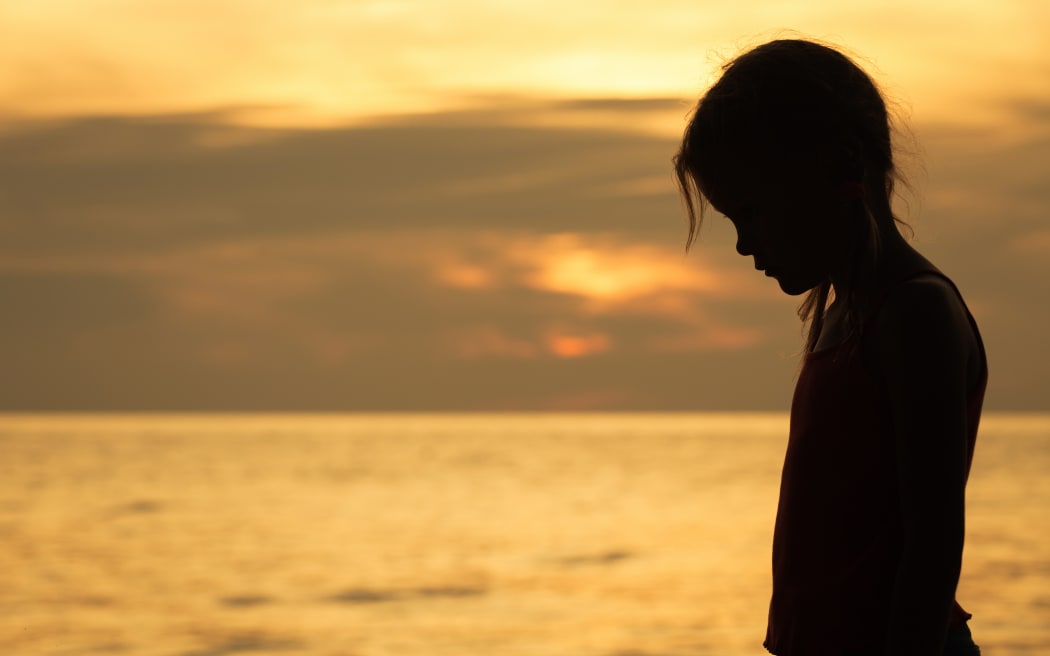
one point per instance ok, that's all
(836, 541)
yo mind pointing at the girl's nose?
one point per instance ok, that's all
(743, 245)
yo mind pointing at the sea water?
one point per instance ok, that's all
(413, 535)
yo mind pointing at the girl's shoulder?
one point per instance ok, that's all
(922, 294)
(907, 285)
(920, 321)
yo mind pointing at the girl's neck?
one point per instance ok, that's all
(861, 277)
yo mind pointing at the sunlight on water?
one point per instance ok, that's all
(375, 535)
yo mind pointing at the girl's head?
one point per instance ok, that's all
(793, 145)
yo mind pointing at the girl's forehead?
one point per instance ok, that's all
(729, 194)
(733, 174)
(739, 182)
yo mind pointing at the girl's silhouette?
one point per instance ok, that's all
(792, 144)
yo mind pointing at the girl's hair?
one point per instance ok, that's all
(787, 99)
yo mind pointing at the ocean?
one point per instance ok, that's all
(445, 535)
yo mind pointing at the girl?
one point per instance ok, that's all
(792, 144)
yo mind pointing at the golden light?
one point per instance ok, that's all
(608, 271)
(318, 62)
(575, 346)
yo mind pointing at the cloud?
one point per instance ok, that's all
(181, 262)
(155, 183)
(1035, 243)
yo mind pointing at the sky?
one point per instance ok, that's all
(463, 206)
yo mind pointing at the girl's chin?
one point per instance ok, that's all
(792, 286)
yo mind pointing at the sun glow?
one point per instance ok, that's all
(317, 61)
(609, 273)
(575, 346)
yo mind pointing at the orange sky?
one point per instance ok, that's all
(459, 205)
(326, 60)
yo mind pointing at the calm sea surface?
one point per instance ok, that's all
(413, 535)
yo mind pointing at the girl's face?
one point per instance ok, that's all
(789, 217)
